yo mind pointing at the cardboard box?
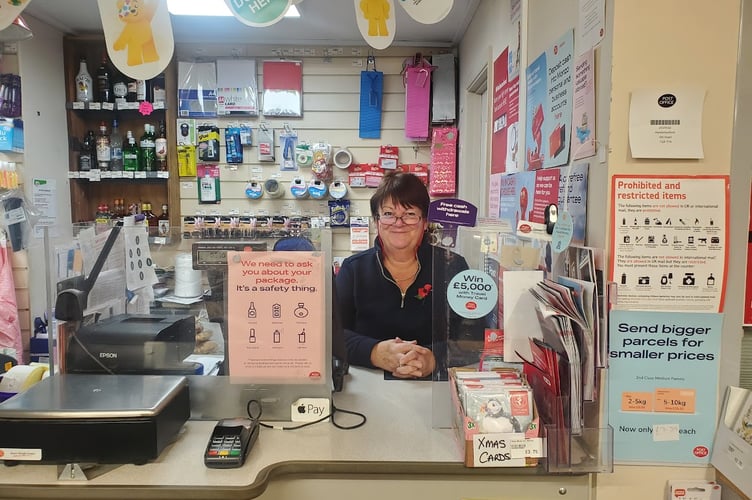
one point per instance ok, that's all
(493, 449)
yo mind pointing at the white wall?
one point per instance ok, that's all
(45, 134)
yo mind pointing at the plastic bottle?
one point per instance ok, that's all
(84, 89)
(116, 147)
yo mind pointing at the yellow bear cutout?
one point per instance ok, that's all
(376, 12)
(137, 36)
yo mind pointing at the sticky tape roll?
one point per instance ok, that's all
(342, 159)
(298, 188)
(273, 188)
(317, 189)
(338, 190)
(254, 190)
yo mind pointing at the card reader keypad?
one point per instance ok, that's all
(225, 446)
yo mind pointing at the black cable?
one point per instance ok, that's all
(256, 416)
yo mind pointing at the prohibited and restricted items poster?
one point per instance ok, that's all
(670, 242)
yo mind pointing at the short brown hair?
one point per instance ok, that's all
(403, 188)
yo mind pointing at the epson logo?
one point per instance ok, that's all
(108, 355)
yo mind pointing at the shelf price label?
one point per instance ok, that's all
(163, 174)
(95, 105)
(637, 401)
(108, 105)
(139, 175)
(675, 400)
(79, 105)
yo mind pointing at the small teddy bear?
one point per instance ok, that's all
(137, 35)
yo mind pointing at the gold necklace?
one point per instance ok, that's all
(408, 277)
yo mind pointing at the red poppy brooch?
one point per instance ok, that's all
(423, 291)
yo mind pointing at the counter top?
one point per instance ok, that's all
(397, 439)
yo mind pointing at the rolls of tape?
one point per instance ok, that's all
(298, 188)
(273, 188)
(254, 190)
(317, 189)
(342, 159)
(338, 190)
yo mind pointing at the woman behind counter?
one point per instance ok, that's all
(385, 293)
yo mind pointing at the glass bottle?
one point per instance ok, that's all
(132, 94)
(130, 154)
(84, 89)
(85, 156)
(147, 147)
(103, 148)
(119, 87)
(160, 148)
(164, 221)
(104, 88)
(151, 219)
(116, 147)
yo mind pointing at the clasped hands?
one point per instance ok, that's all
(403, 358)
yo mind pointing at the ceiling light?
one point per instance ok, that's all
(210, 8)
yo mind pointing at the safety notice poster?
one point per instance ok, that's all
(670, 242)
(276, 327)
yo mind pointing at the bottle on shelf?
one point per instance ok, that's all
(148, 157)
(132, 94)
(164, 221)
(130, 154)
(86, 152)
(104, 83)
(84, 83)
(160, 148)
(116, 147)
(143, 90)
(151, 219)
(103, 148)
(119, 87)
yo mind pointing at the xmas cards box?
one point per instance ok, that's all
(512, 413)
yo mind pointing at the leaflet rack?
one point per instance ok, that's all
(466, 325)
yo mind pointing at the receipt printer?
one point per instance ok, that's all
(133, 344)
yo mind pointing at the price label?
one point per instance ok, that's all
(95, 105)
(139, 175)
(108, 105)
(636, 401)
(78, 105)
(128, 174)
(163, 174)
(675, 400)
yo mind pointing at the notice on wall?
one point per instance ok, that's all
(663, 384)
(506, 110)
(276, 323)
(44, 199)
(666, 123)
(670, 242)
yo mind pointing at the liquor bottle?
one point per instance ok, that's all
(151, 220)
(164, 221)
(84, 89)
(130, 154)
(104, 85)
(132, 95)
(86, 153)
(148, 157)
(143, 90)
(116, 147)
(160, 145)
(119, 87)
(103, 148)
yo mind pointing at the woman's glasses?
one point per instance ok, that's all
(408, 218)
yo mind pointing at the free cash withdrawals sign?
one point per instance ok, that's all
(663, 385)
